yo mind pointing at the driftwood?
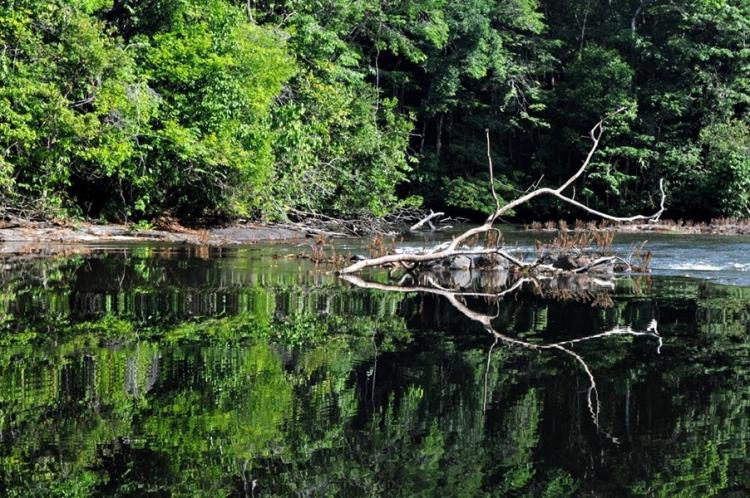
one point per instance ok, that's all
(391, 225)
(455, 246)
(427, 219)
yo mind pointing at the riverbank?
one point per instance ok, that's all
(33, 237)
(168, 229)
(728, 226)
(46, 232)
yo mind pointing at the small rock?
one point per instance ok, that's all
(488, 262)
(583, 261)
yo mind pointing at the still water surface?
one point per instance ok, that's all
(164, 371)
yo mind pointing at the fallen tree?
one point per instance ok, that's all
(427, 219)
(457, 246)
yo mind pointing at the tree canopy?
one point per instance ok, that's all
(124, 109)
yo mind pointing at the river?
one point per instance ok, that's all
(163, 370)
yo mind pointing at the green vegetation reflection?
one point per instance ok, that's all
(299, 384)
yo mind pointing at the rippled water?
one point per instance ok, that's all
(166, 371)
(724, 259)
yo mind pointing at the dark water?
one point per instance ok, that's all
(150, 371)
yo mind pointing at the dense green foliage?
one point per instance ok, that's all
(129, 109)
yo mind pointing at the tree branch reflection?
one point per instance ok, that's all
(454, 298)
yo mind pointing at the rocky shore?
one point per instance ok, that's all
(44, 237)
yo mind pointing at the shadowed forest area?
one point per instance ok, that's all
(212, 110)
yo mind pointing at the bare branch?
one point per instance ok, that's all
(452, 248)
(425, 257)
(427, 219)
(492, 173)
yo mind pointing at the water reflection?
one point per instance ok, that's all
(457, 297)
(231, 372)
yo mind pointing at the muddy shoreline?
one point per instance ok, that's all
(48, 238)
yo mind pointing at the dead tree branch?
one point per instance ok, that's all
(427, 219)
(492, 171)
(452, 248)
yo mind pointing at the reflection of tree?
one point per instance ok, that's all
(485, 320)
(278, 392)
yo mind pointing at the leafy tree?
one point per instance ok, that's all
(124, 109)
(216, 76)
(73, 107)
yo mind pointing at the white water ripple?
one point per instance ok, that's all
(703, 266)
(698, 266)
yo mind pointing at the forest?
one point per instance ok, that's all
(124, 110)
